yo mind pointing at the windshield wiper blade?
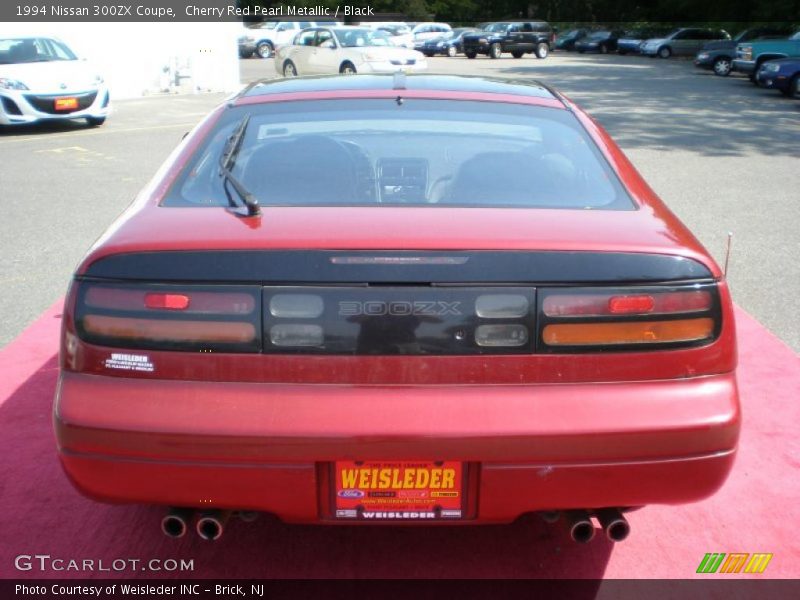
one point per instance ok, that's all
(226, 163)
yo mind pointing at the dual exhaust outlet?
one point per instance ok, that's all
(581, 529)
(210, 524)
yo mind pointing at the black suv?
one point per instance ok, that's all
(516, 37)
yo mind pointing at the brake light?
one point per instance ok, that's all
(170, 317)
(592, 318)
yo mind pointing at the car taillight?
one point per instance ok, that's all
(588, 319)
(170, 317)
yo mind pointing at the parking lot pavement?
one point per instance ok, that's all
(721, 153)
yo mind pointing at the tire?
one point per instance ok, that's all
(95, 121)
(471, 55)
(451, 51)
(495, 50)
(264, 49)
(722, 66)
(289, 70)
(517, 54)
(347, 68)
(664, 52)
(542, 50)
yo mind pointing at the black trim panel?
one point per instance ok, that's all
(396, 267)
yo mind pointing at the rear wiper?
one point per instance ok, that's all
(226, 164)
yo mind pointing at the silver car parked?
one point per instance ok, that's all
(682, 41)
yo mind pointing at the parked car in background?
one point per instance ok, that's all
(782, 74)
(399, 34)
(567, 40)
(750, 55)
(247, 43)
(683, 41)
(631, 41)
(426, 31)
(271, 34)
(604, 41)
(347, 50)
(516, 37)
(718, 56)
(42, 79)
(449, 44)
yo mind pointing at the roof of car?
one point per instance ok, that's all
(449, 83)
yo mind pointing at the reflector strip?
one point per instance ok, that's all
(646, 332)
(222, 303)
(169, 331)
(598, 305)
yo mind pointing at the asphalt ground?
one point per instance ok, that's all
(722, 154)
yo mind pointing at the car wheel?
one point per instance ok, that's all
(722, 66)
(264, 49)
(451, 51)
(95, 121)
(542, 50)
(517, 54)
(471, 54)
(289, 70)
(664, 52)
(603, 49)
(347, 68)
(495, 50)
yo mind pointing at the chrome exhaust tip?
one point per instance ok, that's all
(211, 524)
(580, 526)
(176, 522)
(614, 524)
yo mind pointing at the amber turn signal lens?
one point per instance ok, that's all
(643, 332)
(169, 331)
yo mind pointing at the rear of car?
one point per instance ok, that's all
(459, 304)
(41, 79)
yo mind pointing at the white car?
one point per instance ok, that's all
(270, 35)
(42, 79)
(399, 33)
(346, 50)
(426, 31)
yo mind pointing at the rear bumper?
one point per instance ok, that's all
(266, 446)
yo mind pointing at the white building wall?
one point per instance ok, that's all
(138, 59)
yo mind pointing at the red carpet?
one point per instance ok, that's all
(756, 511)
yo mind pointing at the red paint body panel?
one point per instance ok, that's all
(546, 441)
(538, 432)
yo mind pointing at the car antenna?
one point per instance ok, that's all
(728, 252)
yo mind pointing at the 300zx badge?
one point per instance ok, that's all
(376, 308)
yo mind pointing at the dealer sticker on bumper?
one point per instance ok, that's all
(381, 491)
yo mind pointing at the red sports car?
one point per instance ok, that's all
(380, 299)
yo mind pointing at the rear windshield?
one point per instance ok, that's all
(404, 152)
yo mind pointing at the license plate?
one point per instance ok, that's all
(398, 491)
(66, 103)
